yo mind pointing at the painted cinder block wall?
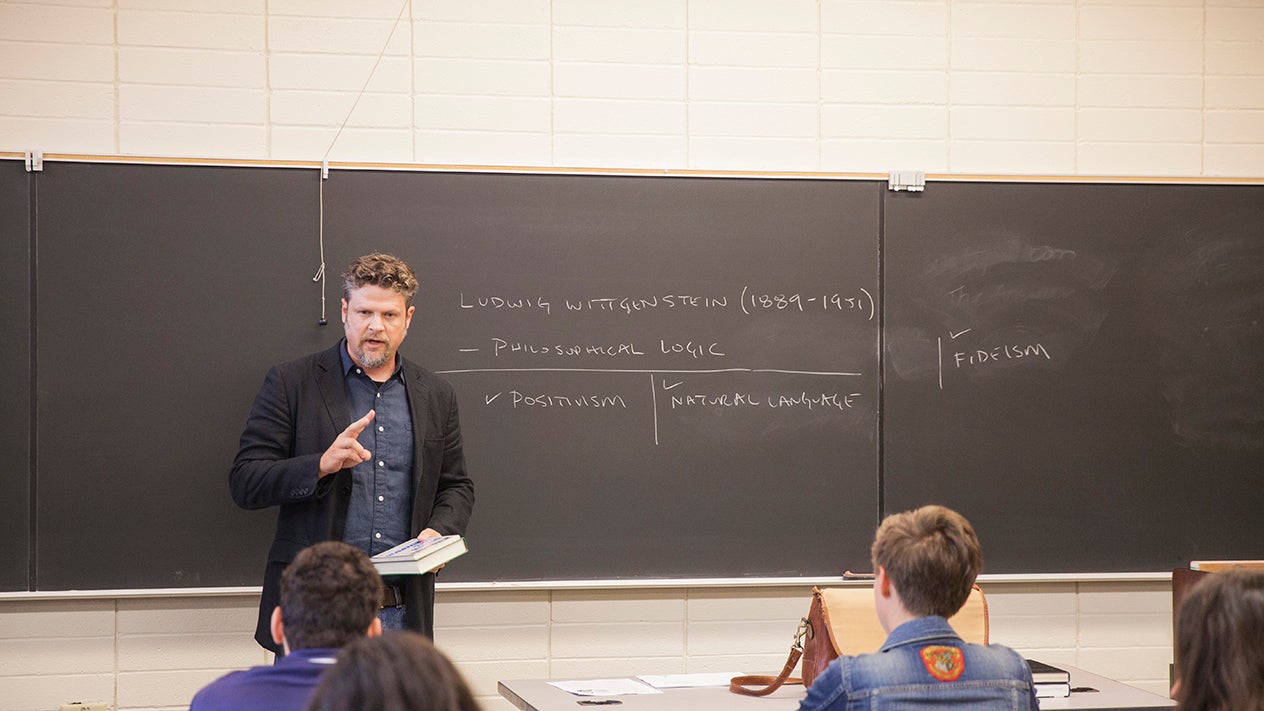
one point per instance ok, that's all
(1064, 87)
(151, 653)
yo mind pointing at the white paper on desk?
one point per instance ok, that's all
(604, 687)
(675, 681)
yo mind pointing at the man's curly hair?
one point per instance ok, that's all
(384, 270)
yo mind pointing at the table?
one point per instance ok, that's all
(537, 695)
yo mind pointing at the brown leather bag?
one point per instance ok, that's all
(813, 642)
(843, 621)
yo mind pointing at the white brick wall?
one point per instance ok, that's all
(1061, 87)
(1117, 87)
(155, 653)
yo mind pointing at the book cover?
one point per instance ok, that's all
(1045, 673)
(414, 557)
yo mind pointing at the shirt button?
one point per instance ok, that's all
(381, 498)
(359, 372)
(377, 535)
(381, 464)
(379, 394)
(381, 428)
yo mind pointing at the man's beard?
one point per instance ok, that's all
(375, 359)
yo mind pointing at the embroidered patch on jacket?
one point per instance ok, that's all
(943, 663)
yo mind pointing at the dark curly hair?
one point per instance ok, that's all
(384, 270)
(330, 595)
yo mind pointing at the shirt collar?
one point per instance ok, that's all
(313, 655)
(922, 629)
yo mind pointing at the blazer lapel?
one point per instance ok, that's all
(330, 379)
(419, 407)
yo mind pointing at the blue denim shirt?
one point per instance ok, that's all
(379, 515)
(924, 664)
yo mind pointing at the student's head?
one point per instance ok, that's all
(330, 595)
(931, 556)
(1220, 644)
(399, 670)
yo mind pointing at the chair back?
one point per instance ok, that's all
(855, 628)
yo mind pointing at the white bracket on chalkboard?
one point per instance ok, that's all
(910, 180)
(35, 161)
(324, 169)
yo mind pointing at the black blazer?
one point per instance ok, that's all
(299, 411)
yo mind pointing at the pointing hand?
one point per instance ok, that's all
(346, 450)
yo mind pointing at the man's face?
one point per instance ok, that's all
(376, 322)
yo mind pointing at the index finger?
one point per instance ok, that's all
(355, 428)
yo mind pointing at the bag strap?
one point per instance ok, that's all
(739, 684)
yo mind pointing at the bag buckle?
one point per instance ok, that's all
(800, 634)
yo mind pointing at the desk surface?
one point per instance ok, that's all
(537, 695)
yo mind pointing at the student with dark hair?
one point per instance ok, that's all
(1220, 644)
(330, 595)
(393, 672)
(926, 562)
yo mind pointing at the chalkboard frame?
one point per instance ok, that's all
(898, 500)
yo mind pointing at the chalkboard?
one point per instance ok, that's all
(659, 377)
(15, 361)
(161, 292)
(1079, 369)
(164, 293)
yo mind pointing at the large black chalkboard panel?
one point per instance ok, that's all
(15, 369)
(658, 377)
(1078, 369)
(163, 294)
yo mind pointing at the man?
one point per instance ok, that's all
(330, 596)
(308, 447)
(925, 562)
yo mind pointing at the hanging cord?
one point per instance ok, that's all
(324, 161)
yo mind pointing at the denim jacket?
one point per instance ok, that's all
(924, 664)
